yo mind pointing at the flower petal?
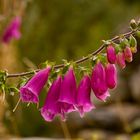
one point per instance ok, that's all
(31, 91)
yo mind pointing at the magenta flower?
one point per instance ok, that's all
(12, 30)
(83, 96)
(111, 54)
(68, 92)
(31, 91)
(98, 82)
(128, 54)
(121, 60)
(103, 96)
(52, 107)
(111, 75)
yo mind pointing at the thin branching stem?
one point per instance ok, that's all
(100, 49)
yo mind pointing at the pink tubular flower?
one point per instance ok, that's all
(111, 75)
(121, 60)
(111, 54)
(68, 92)
(103, 96)
(128, 54)
(98, 82)
(31, 91)
(83, 96)
(12, 31)
(52, 106)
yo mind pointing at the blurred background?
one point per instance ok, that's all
(69, 29)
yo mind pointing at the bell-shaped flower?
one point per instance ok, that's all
(111, 75)
(103, 96)
(12, 30)
(121, 60)
(128, 54)
(52, 107)
(31, 90)
(83, 96)
(111, 54)
(98, 82)
(68, 92)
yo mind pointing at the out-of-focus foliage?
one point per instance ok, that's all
(70, 29)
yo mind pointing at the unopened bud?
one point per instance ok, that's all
(133, 24)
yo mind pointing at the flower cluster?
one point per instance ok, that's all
(122, 56)
(65, 96)
(12, 30)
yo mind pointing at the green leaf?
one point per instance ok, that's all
(3, 75)
(65, 69)
(54, 73)
(11, 90)
(66, 66)
(14, 89)
(22, 81)
(44, 64)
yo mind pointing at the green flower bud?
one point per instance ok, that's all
(133, 44)
(133, 24)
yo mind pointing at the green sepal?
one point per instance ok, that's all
(102, 58)
(65, 69)
(93, 60)
(2, 87)
(54, 73)
(66, 66)
(133, 24)
(81, 71)
(117, 47)
(3, 75)
(123, 43)
(107, 42)
(132, 41)
(46, 63)
(138, 34)
(11, 90)
(43, 65)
